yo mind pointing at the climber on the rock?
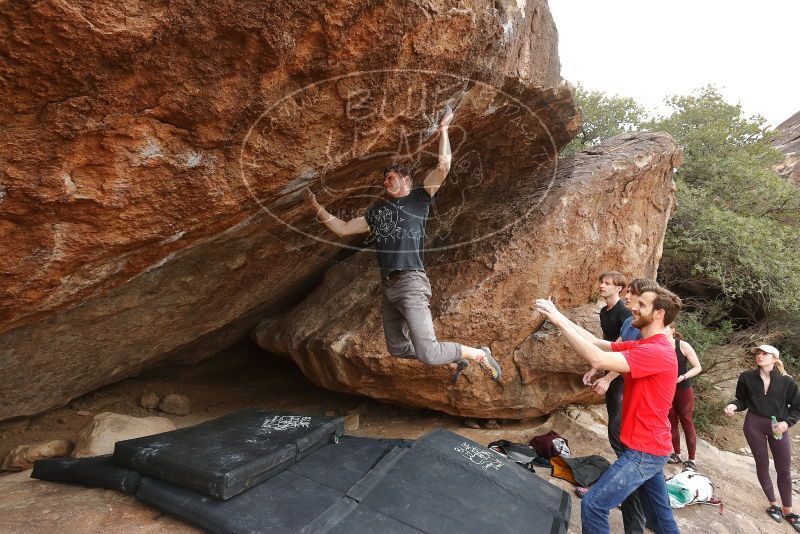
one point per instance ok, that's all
(398, 226)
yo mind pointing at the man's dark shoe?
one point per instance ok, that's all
(674, 458)
(490, 365)
(460, 366)
(689, 464)
(775, 513)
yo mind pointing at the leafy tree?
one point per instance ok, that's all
(603, 117)
(733, 243)
(735, 231)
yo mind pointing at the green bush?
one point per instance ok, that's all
(708, 407)
(746, 258)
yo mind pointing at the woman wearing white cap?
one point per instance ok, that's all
(768, 392)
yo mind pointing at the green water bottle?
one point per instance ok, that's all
(775, 433)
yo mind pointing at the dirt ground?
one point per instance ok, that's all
(246, 377)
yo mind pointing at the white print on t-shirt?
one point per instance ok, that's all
(386, 225)
(285, 422)
(481, 457)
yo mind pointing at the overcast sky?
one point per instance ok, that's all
(647, 50)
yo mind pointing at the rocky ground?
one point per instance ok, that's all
(241, 377)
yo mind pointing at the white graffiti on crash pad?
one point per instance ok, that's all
(479, 456)
(284, 422)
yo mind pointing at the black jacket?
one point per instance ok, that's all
(782, 399)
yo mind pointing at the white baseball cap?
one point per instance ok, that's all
(769, 349)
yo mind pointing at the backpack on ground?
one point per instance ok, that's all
(550, 444)
(690, 487)
(523, 455)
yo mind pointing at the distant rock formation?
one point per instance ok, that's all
(788, 142)
(553, 230)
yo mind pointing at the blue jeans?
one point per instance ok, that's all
(634, 469)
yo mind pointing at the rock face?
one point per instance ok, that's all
(23, 456)
(600, 210)
(788, 142)
(152, 155)
(99, 436)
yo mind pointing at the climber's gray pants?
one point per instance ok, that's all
(407, 321)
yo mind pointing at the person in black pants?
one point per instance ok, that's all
(766, 392)
(612, 317)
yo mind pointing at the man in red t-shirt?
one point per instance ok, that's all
(647, 398)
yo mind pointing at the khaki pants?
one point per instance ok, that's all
(407, 321)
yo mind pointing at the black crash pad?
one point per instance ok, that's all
(441, 484)
(445, 483)
(97, 471)
(286, 503)
(226, 456)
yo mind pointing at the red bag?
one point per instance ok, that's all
(544, 446)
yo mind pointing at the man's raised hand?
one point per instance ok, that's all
(447, 116)
(600, 386)
(549, 310)
(310, 199)
(587, 378)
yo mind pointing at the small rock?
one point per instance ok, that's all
(23, 456)
(176, 404)
(149, 400)
(83, 413)
(471, 423)
(330, 413)
(746, 450)
(492, 424)
(351, 422)
(99, 436)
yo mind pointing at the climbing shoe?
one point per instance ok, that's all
(775, 513)
(490, 365)
(794, 520)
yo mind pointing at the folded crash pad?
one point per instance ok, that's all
(98, 471)
(286, 503)
(225, 456)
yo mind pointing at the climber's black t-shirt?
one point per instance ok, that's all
(397, 227)
(611, 320)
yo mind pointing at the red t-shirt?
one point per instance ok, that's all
(647, 397)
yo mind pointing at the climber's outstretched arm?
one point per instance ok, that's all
(334, 224)
(433, 181)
